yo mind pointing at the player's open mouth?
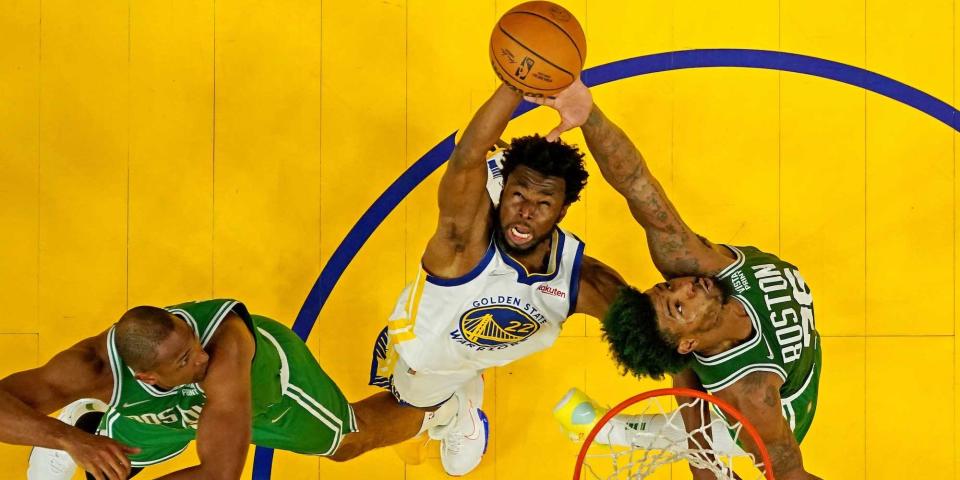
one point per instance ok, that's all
(519, 235)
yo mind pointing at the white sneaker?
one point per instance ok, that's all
(50, 464)
(464, 441)
(463, 448)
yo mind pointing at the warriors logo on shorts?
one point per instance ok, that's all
(497, 325)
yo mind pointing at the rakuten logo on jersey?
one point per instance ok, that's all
(552, 291)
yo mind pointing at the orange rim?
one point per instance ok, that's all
(686, 392)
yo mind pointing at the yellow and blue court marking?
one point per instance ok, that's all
(156, 152)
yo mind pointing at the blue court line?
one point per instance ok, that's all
(610, 72)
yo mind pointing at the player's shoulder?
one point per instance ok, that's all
(204, 306)
(92, 350)
(756, 386)
(455, 252)
(87, 362)
(747, 257)
(599, 285)
(233, 333)
(752, 254)
(598, 273)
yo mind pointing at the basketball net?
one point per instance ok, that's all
(653, 436)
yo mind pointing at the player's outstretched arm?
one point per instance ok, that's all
(675, 248)
(81, 371)
(463, 230)
(757, 396)
(224, 428)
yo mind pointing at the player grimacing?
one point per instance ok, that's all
(734, 321)
(497, 279)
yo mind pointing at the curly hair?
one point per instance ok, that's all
(636, 342)
(554, 159)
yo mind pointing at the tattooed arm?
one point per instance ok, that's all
(676, 250)
(757, 396)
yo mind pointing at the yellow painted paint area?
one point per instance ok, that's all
(171, 156)
(835, 445)
(822, 226)
(154, 152)
(891, 418)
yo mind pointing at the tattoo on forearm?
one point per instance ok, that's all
(670, 248)
(674, 248)
(619, 160)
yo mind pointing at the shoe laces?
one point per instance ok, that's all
(453, 443)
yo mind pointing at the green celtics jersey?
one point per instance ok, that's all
(296, 406)
(179, 409)
(784, 340)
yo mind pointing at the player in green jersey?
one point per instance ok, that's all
(208, 371)
(734, 321)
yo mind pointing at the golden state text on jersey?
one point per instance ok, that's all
(493, 315)
(498, 322)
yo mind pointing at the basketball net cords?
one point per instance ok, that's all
(699, 456)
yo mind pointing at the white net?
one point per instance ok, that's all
(641, 443)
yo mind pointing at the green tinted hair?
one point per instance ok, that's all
(636, 342)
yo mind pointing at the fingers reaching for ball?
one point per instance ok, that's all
(538, 49)
(574, 105)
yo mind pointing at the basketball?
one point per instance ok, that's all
(538, 48)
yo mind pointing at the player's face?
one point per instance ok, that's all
(531, 204)
(687, 306)
(180, 358)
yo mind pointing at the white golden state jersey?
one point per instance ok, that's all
(493, 315)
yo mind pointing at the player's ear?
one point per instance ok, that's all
(563, 213)
(687, 345)
(148, 378)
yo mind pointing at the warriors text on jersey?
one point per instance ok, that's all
(784, 340)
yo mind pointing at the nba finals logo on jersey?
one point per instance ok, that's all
(496, 327)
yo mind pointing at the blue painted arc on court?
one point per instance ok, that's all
(599, 75)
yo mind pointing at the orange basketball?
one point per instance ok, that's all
(538, 48)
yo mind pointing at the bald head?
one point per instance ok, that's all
(138, 334)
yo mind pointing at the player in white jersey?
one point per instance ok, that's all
(497, 279)
(445, 329)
